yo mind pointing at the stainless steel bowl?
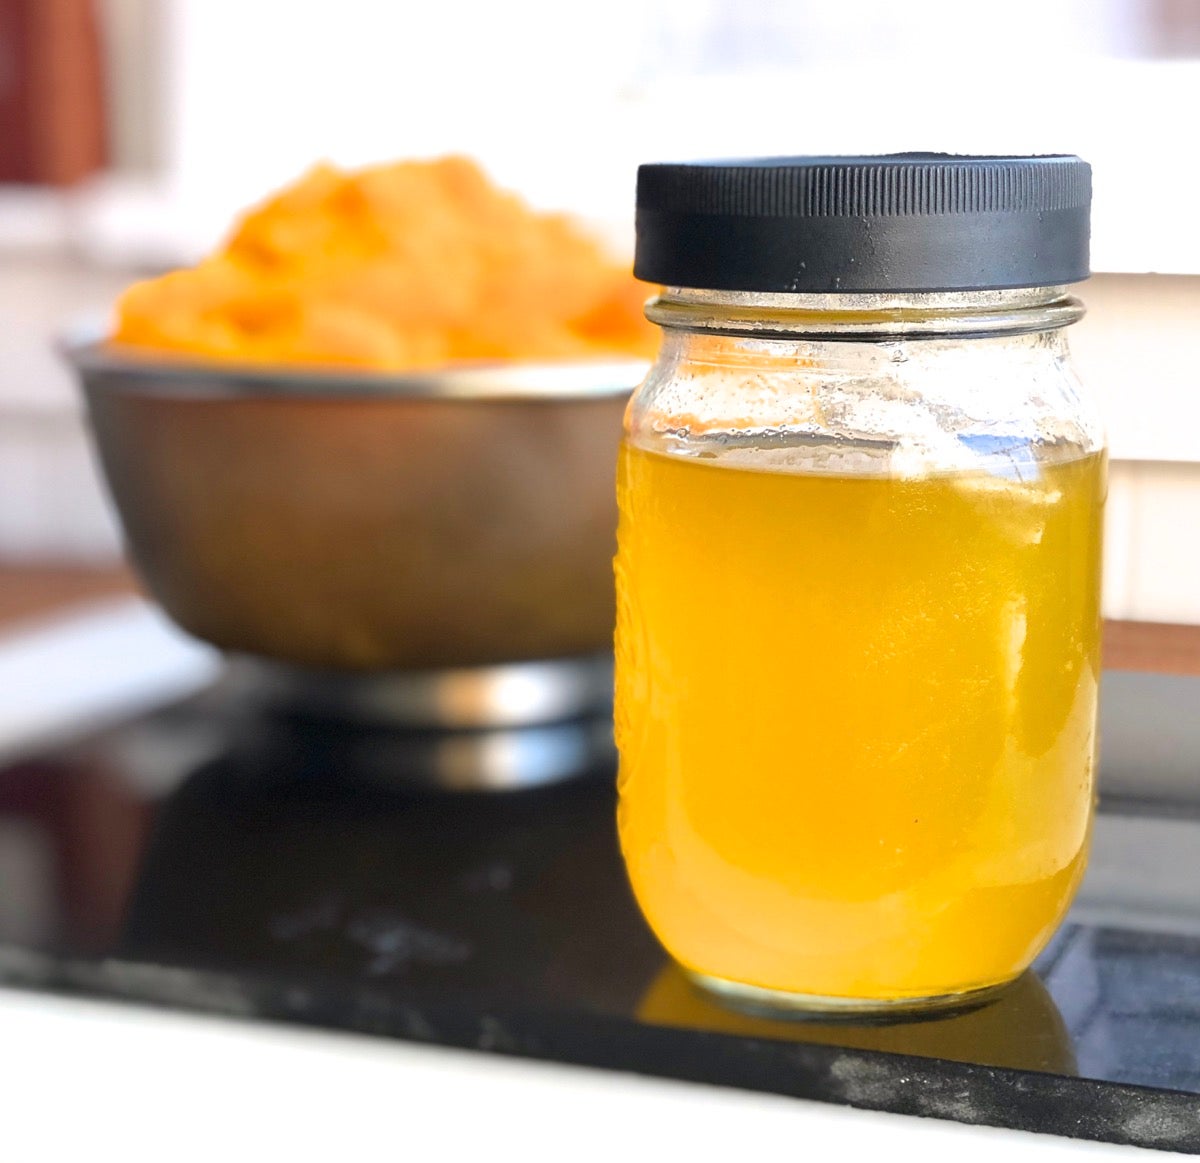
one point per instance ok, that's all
(367, 522)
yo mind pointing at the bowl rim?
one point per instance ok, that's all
(106, 367)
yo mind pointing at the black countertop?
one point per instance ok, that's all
(201, 858)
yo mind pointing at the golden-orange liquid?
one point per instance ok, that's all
(856, 719)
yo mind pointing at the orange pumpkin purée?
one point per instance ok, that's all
(408, 265)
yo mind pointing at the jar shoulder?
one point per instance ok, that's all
(899, 408)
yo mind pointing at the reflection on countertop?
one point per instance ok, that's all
(203, 857)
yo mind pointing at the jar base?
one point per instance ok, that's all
(775, 1003)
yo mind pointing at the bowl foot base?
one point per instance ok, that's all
(516, 694)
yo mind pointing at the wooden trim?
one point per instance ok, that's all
(31, 592)
(1158, 646)
(28, 593)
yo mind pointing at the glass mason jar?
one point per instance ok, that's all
(858, 575)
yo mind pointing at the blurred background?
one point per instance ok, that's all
(131, 131)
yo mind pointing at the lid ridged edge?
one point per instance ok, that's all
(868, 188)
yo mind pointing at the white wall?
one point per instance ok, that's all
(563, 100)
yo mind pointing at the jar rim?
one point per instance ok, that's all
(863, 316)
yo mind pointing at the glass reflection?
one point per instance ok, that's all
(1021, 1029)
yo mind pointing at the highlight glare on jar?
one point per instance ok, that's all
(858, 577)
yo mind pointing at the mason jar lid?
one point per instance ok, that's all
(895, 222)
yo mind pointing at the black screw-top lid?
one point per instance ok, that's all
(897, 222)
